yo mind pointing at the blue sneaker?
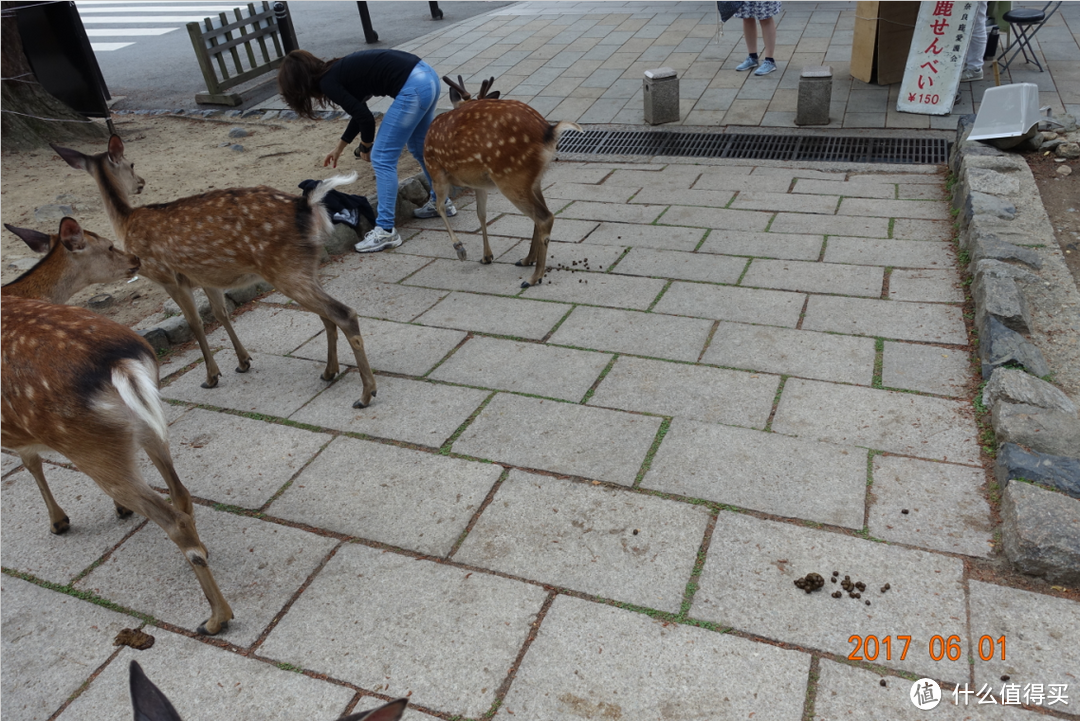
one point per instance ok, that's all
(747, 64)
(767, 66)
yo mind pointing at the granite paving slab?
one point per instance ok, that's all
(614, 544)
(621, 291)
(235, 460)
(846, 692)
(803, 223)
(714, 395)
(647, 236)
(576, 256)
(400, 496)
(565, 438)
(896, 253)
(581, 191)
(928, 286)
(745, 305)
(391, 347)
(1039, 647)
(792, 203)
(825, 356)
(471, 275)
(854, 188)
(748, 583)
(681, 196)
(814, 277)
(681, 265)
(257, 565)
(754, 220)
(356, 268)
(673, 176)
(925, 368)
(918, 209)
(614, 212)
(578, 668)
(768, 245)
(518, 317)
(944, 504)
(766, 472)
(202, 681)
(926, 322)
(26, 541)
(726, 179)
(473, 626)
(913, 229)
(627, 331)
(9, 463)
(52, 643)
(267, 329)
(421, 412)
(904, 423)
(532, 368)
(520, 227)
(466, 222)
(437, 243)
(273, 385)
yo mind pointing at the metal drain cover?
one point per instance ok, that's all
(931, 151)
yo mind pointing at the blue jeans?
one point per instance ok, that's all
(404, 125)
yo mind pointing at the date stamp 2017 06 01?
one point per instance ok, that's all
(871, 648)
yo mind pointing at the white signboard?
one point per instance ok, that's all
(936, 59)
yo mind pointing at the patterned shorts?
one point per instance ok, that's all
(758, 10)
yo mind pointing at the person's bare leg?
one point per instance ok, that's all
(749, 29)
(768, 34)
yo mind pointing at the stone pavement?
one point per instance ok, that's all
(590, 498)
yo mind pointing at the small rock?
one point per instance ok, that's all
(52, 212)
(999, 345)
(100, 301)
(1059, 472)
(341, 240)
(1064, 171)
(998, 295)
(980, 203)
(238, 133)
(237, 148)
(1039, 532)
(23, 264)
(987, 246)
(1068, 150)
(156, 337)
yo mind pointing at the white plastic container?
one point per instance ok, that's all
(1007, 111)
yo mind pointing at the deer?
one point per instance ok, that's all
(151, 704)
(87, 387)
(222, 239)
(74, 260)
(494, 143)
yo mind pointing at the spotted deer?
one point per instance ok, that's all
(151, 704)
(87, 387)
(75, 259)
(227, 238)
(491, 143)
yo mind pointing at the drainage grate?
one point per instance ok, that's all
(932, 151)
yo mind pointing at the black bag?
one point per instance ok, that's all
(727, 10)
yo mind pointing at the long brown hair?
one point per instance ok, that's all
(298, 81)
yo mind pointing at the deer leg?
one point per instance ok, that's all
(216, 296)
(58, 520)
(184, 298)
(332, 367)
(441, 184)
(481, 213)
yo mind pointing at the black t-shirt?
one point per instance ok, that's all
(355, 78)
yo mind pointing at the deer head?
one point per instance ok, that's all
(459, 95)
(120, 170)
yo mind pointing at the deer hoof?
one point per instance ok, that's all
(206, 628)
(122, 512)
(525, 284)
(61, 527)
(486, 260)
(460, 248)
(244, 367)
(210, 382)
(360, 404)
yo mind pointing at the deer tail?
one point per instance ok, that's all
(562, 126)
(136, 382)
(325, 186)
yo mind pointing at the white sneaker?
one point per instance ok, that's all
(378, 239)
(428, 210)
(969, 75)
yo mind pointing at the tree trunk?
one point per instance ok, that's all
(33, 117)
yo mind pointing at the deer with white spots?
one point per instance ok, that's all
(75, 259)
(87, 387)
(490, 143)
(224, 239)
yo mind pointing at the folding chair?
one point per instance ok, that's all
(1023, 24)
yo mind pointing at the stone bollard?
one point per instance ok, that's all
(815, 94)
(661, 88)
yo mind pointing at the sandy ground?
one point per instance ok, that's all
(177, 157)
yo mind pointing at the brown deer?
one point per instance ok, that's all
(76, 258)
(491, 143)
(151, 704)
(87, 387)
(223, 239)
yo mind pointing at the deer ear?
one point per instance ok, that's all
(390, 712)
(149, 702)
(71, 234)
(494, 95)
(116, 149)
(38, 242)
(455, 97)
(72, 157)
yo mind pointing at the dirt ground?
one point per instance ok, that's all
(1061, 198)
(177, 157)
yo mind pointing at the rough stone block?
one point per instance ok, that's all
(341, 240)
(983, 246)
(1041, 430)
(661, 95)
(999, 296)
(156, 337)
(1041, 532)
(815, 94)
(980, 203)
(1015, 386)
(992, 182)
(999, 345)
(1059, 472)
(246, 294)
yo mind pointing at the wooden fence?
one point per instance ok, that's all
(227, 50)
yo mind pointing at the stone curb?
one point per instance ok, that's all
(1035, 423)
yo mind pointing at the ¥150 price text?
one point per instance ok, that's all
(870, 648)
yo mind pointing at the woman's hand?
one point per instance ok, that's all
(333, 156)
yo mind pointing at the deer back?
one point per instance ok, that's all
(75, 259)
